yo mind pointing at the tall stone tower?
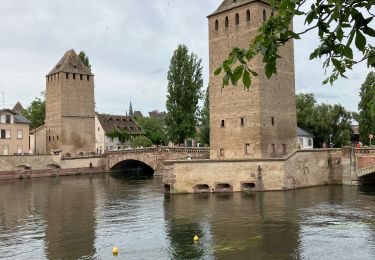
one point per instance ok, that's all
(261, 122)
(70, 106)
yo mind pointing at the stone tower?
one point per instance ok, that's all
(70, 106)
(261, 122)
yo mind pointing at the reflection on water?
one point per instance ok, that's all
(84, 217)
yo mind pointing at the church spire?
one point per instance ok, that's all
(131, 109)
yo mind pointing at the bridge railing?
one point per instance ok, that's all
(160, 149)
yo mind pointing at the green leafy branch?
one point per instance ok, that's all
(339, 24)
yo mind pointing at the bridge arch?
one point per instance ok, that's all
(132, 167)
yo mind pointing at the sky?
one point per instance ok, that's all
(129, 43)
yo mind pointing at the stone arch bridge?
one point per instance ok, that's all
(154, 156)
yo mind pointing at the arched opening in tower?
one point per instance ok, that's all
(132, 169)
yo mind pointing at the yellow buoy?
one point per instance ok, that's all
(115, 250)
(196, 238)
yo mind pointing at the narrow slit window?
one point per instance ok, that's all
(248, 16)
(216, 25)
(237, 20)
(74, 76)
(273, 121)
(67, 75)
(242, 121)
(226, 22)
(247, 149)
(88, 78)
(80, 76)
(264, 15)
(273, 148)
(222, 124)
(284, 148)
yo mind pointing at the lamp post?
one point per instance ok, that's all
(330, 141)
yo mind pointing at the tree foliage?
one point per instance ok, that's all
(204, 134)
(154, 128)
(36, 112)
(321, 120)
(365, 118)
(85, 59)
(140, 141)
(184, 90)
(120, 134)
(341, 25)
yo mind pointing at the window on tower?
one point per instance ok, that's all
(67, 75)
(226, 22)
(222, 124)
(237, 19)
(216, 25)
(88, 78)
(264, 15)
(80, 76)
(74, 76)
(248, 16)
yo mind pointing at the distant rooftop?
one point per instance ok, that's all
(18, 119)
(157, 114)
(71, 63)
(111, 122)
(301, 132)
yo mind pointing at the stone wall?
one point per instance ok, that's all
(48, 165)
(304, 168)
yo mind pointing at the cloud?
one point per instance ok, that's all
(129, 44)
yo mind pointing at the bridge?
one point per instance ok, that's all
(149, 159)
(358, 165)
(153, 157)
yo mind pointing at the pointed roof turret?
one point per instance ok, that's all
(71, 63)
(18, 108)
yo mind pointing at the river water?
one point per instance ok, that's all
(83, 217)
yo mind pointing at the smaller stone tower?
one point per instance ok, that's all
(70, 106)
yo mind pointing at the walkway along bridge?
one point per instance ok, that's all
(151, 159)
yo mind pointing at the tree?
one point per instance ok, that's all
(154, 128)
(340, 25)
(321, 120)
(85, 59)
(184, 90)
(204, 134)
(120, 134)
(140, 141)
(365, 118)
(36, 112)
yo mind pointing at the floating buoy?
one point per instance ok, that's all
(115, 250)
(196, 238)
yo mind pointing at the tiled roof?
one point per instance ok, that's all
(230, 4)
(71, 63)
(111, 122)
(20, 119)
(301, 132)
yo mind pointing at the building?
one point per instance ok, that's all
(157, 115)
(14, 133)
(70, 107)
(38, 140)
(261, 122)
(305, 139)
(137, 114)
(105, 123)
